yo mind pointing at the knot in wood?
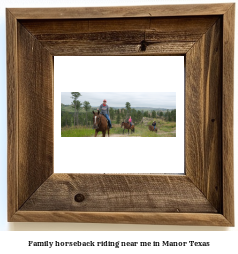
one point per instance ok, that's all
(143, 45)
(79, 198)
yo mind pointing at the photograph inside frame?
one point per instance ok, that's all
(118, 114)
(129, 97)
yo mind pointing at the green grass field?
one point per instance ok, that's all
(165, 129)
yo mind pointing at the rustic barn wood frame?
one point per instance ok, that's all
(204, 34)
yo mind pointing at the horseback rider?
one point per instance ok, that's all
(154, 124)
(130, 121)
(104, 110)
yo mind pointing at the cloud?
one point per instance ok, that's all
(119, 99)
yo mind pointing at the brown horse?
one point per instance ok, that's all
(127, 126)
(100, 124)
(151, 128)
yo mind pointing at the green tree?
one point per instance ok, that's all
(139, 115)
(173, 115)
(90, 117)
(75, 96)
(153, 114)
(78, 107)
(128, 106)
(146, 114)
(87, 107)
(123, 114)
(112, 113)
(118, 117)
(133, 115)
(73, 104)
(161, 113)
(168, 116)
(128, 110)
(65, 119)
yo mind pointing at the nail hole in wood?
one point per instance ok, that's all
(213, 120)
(79, 198)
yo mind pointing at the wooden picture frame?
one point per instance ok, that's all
(204, 34)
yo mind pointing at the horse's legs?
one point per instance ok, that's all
(96, 133)
(128, 131)
(104, 133)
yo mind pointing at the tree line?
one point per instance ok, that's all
(86, 118)
(77, 105)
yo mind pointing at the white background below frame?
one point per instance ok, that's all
(119, 74)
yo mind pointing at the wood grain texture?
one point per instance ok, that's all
(12, 114)
(189, 26)
(173, 36)
(115, 49)
(204, 115)
(121, 11)
(35, 114)
(141, 193)
(204, 196)
(192, 219)
(227, 114)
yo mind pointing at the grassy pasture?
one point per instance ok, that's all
(165, 129)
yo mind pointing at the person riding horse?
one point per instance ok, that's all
(104, 110)
(154, 124)
(130, 121)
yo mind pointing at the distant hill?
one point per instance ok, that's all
(150, 109)
(69, 108)
(145, 108)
